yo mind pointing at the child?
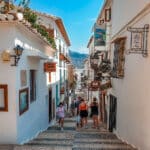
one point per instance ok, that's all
(61, 114)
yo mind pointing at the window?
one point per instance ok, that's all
(23, 101)
(107, 15)
(50, 77)
(119, 58)
(3, 97)
(32, 85)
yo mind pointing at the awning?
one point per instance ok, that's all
(36, 54)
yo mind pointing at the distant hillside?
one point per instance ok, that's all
(77, 58)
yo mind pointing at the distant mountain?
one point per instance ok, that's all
(77, 58)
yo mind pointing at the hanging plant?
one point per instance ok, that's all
(32, 18)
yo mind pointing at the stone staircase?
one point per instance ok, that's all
(53, 138)
(92, 140)
(71, 139)
(98, 139)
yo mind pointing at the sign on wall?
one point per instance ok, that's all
(99, 35)
(139, 40)
(50, 67)
(136, 40)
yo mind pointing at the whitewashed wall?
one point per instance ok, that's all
(8, 120)
(59, 40)
(36, 118)
(30, 123)
(124, 11)
(132, 91)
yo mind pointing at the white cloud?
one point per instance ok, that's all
(83, 49)
(92, 19)
(83, 22)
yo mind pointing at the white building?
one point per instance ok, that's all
(29, 91)
(56, 27)
(130, 62)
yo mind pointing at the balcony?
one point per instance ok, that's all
(105, 66)
(62, 57)
(94, 61)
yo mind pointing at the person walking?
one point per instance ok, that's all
(61, 114)
(72, 108)
(94, 113)
(83, 109)
(77, 103)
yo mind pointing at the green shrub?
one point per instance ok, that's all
(32, 18)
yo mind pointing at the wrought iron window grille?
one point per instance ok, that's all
(138, 40)
(119, 58)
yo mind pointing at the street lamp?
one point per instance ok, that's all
(18, 52)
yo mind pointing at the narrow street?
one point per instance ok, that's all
(72, 139)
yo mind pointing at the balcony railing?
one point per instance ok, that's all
(105, 66)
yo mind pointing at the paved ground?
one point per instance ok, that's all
(72, 139)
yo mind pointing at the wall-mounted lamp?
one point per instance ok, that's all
(18, 52)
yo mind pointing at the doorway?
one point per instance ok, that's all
(50, 113)
(103, 111)
(112, 113)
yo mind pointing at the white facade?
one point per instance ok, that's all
(62, 46)
(17, 128)
(132, 91)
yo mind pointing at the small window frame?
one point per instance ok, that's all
(4, 87)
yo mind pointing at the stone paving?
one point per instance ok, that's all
(73, 139)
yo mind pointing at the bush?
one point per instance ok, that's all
(32, 18)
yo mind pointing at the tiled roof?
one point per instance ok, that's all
(12, 15)
(60, 25)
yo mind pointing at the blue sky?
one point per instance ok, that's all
(78, 17)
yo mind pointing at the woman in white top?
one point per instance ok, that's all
(61, 114)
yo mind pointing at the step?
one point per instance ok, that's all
(98, 141)
(6, 147)
(101, 146)
(58, 135)
(41, 147)
(47, 141)
(69, 120)
(82, 148)
(96, 135)
(55, 128)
